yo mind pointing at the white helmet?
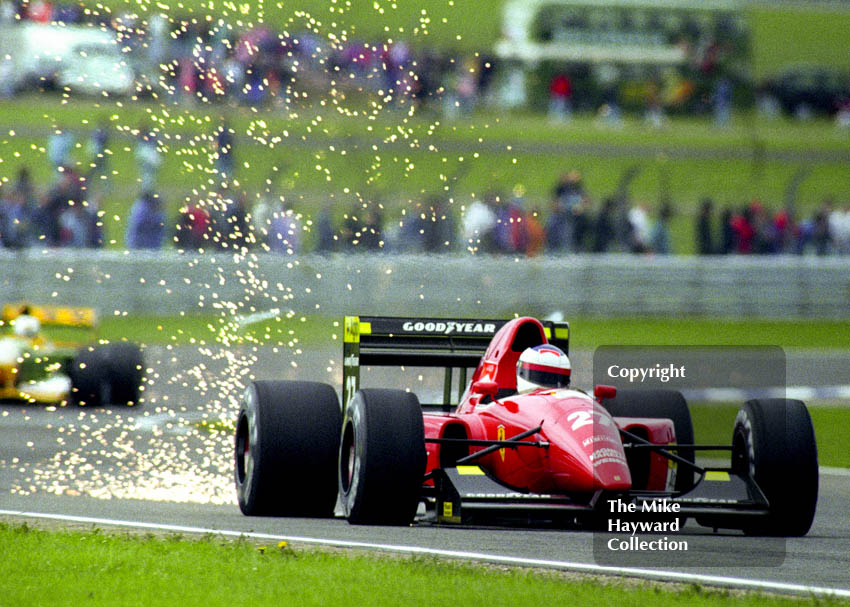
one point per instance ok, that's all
(544, 366)
(26, 326)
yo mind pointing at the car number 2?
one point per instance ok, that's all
(584, 418)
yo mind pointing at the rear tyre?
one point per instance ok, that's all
(126, 372)
(287, 441)
(661, 404)
(90, 377)
(774, 443)
(382, 458)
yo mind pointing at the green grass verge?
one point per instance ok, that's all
(46, 111)
(810, 33)
(587, 332)
(713, 425)
(592, 332)
(98, 568)
(204, 329)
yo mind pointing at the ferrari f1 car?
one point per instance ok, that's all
(553, 455)
(36, 369)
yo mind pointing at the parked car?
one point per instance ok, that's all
(82, 58)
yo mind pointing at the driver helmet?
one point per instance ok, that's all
(26, 326)
(544, 366)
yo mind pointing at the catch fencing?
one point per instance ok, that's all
(168, 282)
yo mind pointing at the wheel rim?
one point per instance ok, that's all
(347, 458)
(350, 465)
(740, 460)
(244, 460)
(742, 456)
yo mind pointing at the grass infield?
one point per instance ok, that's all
(42, 567)
(586, 332)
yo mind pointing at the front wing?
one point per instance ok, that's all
(466, 494)
(54, 389)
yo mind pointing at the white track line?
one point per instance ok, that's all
(831, 471)
(661, 575)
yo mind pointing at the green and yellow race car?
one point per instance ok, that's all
(38, 368)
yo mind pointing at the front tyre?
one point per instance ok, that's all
(382, 457)
(773, 442)
(287, 441)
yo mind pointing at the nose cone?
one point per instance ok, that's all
(611, 473)
(575, 470)
(586, 452)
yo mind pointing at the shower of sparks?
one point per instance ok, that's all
(176, 445)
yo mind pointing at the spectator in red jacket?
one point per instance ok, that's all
(535, 234)
(742, 227)
(560, 98)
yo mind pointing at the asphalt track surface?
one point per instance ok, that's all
(152, 465)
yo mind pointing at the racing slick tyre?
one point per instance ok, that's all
(773, 442)
(90, 377)
(287, 441)
(664, 404)
(382, 457)
(126, 371)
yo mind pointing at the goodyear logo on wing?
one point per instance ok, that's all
(449, 327)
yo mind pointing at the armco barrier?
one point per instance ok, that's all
(169, 282)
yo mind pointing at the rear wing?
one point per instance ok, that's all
(65, 316)
(450, 343)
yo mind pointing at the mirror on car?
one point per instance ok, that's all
(601, 392)
(487, 388)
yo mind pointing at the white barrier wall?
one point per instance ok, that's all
(168, 282)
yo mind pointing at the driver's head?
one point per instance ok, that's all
(543, 366)
(26, 326)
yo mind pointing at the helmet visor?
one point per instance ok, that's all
(550, 377)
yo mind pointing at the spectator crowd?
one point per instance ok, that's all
(67, 213)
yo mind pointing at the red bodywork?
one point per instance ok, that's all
(585, 452)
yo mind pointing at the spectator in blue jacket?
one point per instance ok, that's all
(146, 229)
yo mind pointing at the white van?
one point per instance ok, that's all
(83, 58)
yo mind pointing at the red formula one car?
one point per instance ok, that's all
(551, 454)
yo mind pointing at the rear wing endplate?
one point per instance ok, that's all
(450, 343)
